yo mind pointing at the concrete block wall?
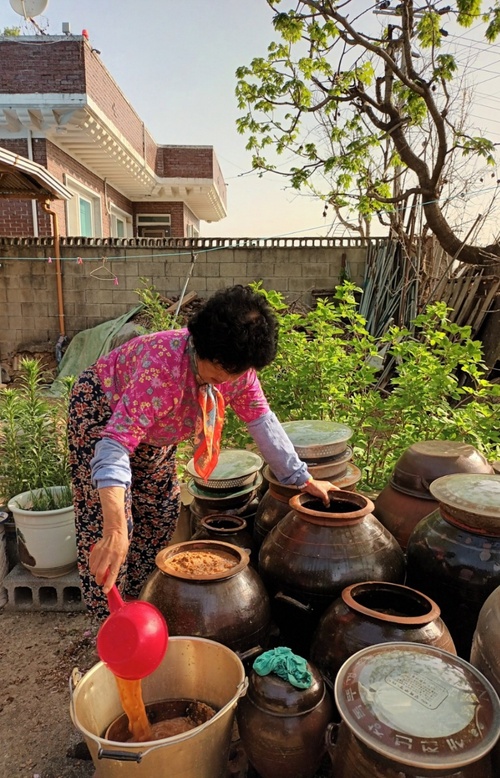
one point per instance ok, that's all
(28, 292)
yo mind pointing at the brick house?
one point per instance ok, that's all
(61, 108)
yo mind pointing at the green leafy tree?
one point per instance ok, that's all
(381, 89)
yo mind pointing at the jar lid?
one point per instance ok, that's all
(427, 460)
(222, 495)
(347, 480)
(232, 466)
(448, 449)
(275, 695)
(317, 438)
(418, 705)
(471, 492)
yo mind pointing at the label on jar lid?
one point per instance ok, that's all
(418, 705)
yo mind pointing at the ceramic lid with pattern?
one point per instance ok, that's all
(418, 705)
(317, 438)
(472, 492)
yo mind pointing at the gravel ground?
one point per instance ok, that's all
(37, 654)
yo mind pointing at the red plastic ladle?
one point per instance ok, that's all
(133, 639)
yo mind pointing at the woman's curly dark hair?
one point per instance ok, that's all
(237, 328)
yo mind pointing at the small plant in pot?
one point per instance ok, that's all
(34, 472)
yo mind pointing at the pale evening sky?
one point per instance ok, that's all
(176, 62)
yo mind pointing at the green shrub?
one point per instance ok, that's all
(328, 367)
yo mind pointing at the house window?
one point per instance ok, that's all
(150, 226)
(86, 226)
(83, 211)
(120, 228)
(120, 223)
(192, 232)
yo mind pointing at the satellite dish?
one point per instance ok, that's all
(29, 8)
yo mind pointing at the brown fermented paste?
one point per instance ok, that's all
(202, 562)
(197, 713)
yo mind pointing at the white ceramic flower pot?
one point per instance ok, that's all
(45, 539)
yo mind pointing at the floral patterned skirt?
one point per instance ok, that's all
(152, 502)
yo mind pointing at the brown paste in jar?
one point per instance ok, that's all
(202, 562)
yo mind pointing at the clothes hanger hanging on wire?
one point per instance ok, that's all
(103, 272)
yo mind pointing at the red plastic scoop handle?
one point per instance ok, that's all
(115, 601)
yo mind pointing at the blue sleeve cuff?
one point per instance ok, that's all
(110, 465)
(278, 451)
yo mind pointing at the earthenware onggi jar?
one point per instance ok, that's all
(272, 508)
(275, 504)
(485, 653)
(454, 554)
(314, 552)
(227, 528)
(242, 501)
(282, 728)
(375, 612)
(407, 499)
(231, 607)
(413, 710)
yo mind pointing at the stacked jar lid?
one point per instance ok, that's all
(231, 488)
(323, 446)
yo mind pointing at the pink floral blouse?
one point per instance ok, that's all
(152, 391)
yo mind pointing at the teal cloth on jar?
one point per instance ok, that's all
(283, 662)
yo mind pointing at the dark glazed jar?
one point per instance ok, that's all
(228, 529)
(454, 554)
(401, 513)
(314, 552)
(375, 612)
(485, 653)
(276, 502)
(231, 607)
(353, 759)
(272, 508)
(282, 728)
(413, 710)
(407, 498)
(200, 510)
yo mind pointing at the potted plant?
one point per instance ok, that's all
(34, 472)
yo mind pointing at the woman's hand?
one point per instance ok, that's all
(320, 489)
(107, 557)
(110, 552)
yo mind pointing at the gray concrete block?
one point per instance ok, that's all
(27, 592)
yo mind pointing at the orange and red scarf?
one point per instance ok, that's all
(208, 425)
